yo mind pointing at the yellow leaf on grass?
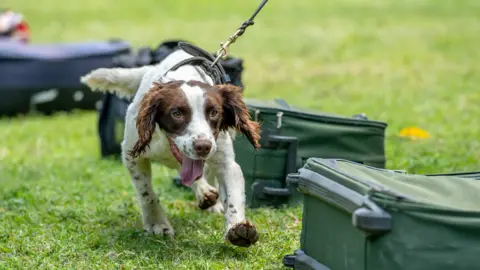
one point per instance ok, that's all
(414, 133)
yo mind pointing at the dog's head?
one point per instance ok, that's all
(192, 114)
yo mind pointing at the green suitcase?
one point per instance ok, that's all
(290, 136)
(365, 218)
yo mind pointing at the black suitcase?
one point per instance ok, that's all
(46, 77)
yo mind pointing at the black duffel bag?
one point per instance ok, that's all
(46, 77)
(111, 120)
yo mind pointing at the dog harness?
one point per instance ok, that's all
(203, 60)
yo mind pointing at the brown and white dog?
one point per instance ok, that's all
(182, 120)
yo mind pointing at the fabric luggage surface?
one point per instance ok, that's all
(290, 136)
(360, 217)
(46, 77)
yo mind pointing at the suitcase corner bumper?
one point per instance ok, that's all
(300, 260)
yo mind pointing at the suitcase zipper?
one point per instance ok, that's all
(371, 167)
(315, 116)
(475, 175)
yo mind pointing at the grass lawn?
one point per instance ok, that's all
(409, 63)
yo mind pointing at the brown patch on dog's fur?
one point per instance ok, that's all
(161, 99)
(155, 108)
(213, 101)
(228, 101)
(235, 114)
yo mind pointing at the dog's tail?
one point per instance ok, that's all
(122, 81)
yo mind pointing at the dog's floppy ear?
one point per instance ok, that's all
(235, 113)
(147, 114)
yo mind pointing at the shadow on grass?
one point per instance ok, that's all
(197, 234)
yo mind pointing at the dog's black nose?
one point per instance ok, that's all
(202, 147)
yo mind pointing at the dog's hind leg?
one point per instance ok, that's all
(154, 218)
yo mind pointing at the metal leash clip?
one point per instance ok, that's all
(223, 52)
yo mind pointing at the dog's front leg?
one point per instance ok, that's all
(239, 230)
(154, 219)
(206, 194)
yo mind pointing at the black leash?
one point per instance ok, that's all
(223, 51)
(207, 61)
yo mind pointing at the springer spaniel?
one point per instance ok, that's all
(184, 121)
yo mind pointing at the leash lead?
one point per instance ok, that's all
(223, 52)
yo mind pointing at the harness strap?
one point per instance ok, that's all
(218, 75)
(204, 60)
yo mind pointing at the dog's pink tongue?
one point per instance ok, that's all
(191, 170)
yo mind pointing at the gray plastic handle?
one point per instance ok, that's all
(263, 191)
(366, 215)
(293, 179)
(279, 192)
(291, 151)
(300, 260)
(372, 221)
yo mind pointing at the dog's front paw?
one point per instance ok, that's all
(159, 229)
(208, 199)
(243, 234)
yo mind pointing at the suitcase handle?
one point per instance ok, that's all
(279, 192)
(291, 163)
(366, 215)
(292, 179)
(372, 219)
(291, 152)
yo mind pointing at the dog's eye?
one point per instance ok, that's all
(213, 113)
(176, 114)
